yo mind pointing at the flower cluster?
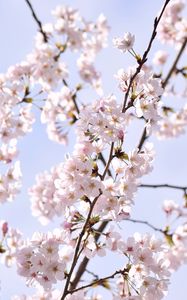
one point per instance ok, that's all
(59, 107)
(40, 260)
(102, 120)
(145, 93)
(10, 183)
(96, 185)
(11, 241)
(172, 124)
(172, 28)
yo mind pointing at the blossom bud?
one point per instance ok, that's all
(4, 228)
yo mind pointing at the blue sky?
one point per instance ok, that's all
(17, 31)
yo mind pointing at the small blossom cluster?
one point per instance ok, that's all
(172, 28)
(15, 121)
(41, 261)
(59, 107)
(160, 58)
(117, 198)
(145, 93)
(172, 124)
(44, 205)
(177, 254)
(148, 270)
(10, 183)
(45, 69)
(10, 243)
(171, 208)
(80, 34)
(102, 120)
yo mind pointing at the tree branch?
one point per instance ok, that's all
(39, 23)
(173, 67)
(148, 224)
(85, 261)
(145, 55)
(76, 253)
(99, 281)
(183, 188)
(109, 161)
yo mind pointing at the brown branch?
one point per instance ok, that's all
(145, 55)
(148, 224)
(109, 161)
(99, 281)
(101, 228)
(102, 159)
(76, 253)
(183, 188)
(142, 139)
(85, 261)
(173, 67)
(45, 37)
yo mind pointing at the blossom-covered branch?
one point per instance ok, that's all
(93, 191)
(141, 61)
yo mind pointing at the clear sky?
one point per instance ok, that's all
(37, 153)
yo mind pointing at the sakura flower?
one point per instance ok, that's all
(160, 57)
(125, 43)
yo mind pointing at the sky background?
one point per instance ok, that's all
(37, 153)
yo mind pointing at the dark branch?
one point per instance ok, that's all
(148, 224)
(109, 161)
(173, 67)
(99, 281)
(85, 261)
(45, 37)
(145, 55)
(183, 188)
(76, 253)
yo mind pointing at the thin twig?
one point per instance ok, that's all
(109, 161)
(142, 139)
(85, 260)
(103, 160)
(39, 23)
(76, 253)
(145, 55)
(148, 224)
(173, 67)
(183, 188)
(98, 282)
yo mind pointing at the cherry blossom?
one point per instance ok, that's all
(93, 189)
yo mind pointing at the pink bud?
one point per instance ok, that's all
(120, 135)
(67, 225)
(4, 228)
